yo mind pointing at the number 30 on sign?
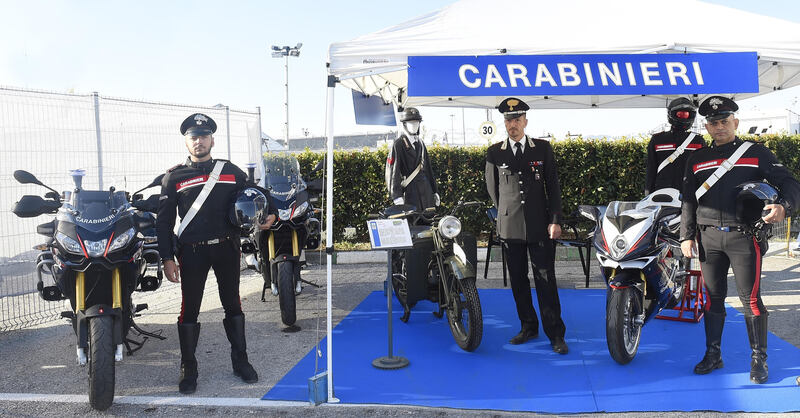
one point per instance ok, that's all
(487, 130)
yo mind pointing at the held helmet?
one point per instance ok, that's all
(750, 202)
(681, 113)
(249, 208)
(411, 113)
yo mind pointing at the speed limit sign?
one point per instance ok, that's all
(487, 130)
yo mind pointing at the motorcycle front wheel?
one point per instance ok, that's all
(286, 293)
(464, 312)
(623, 332)
(101, 362)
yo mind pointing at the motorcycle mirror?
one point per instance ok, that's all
(588, 212)
(25, 177)
(320, 164)
(156, 181)
(137, 196)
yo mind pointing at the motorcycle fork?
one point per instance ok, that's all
(116, 303)
(444, 286)
(295, 244)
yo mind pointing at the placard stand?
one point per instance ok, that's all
(389, 234)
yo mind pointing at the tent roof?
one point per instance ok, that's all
(376, 63)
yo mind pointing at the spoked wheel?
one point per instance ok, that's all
(623, 330)
(286, 293)
(100, 364)
(400, 278)
(464, 312)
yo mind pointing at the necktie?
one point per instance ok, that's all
(518, 151)
(416, 147)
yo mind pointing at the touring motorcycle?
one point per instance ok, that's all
(276, 252)
(99, 250)
(440, 268)
(639, 253)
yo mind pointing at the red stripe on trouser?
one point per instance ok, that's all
(754, 292)
(180, 316)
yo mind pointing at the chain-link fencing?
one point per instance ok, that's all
(118, 142)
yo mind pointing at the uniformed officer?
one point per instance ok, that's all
(722, 240)
(522, 181)
(409, 176)
(208, 241)
(667, 151)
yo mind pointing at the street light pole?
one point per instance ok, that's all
(286, 52)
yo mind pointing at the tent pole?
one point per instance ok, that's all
(329, 230)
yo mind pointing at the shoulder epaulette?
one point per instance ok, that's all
(174, 168)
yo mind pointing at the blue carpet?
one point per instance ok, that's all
(530, 377)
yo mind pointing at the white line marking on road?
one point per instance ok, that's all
(152, 400)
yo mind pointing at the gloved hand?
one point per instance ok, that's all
(399, 201)
(436, 200)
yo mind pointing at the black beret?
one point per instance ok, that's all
(198, 124)
(512, 108)
(717, 107)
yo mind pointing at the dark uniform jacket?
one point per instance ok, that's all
(525, 191)
(717, 207)
(180, 187)
(662, 145)
(401, 163)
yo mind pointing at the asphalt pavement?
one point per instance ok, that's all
(38, 374)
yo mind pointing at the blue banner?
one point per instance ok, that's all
(597, 74)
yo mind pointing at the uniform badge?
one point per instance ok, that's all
(199, 119)
(511, 103)
(715, 102)
(504, 165)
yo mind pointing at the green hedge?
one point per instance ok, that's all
(590, 171)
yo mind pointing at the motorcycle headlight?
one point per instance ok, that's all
(300, 210)
(72, 246)
(619, 247)
(284, 214)
(450, 227)
(121, 240)
(95, 248)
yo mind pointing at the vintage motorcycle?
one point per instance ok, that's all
(441, 268)
(639, 253)
(99, 250)
(276, 252)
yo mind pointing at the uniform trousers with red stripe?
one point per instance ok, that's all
(195, 262)
(720, 250)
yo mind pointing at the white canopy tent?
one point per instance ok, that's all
(377, 63)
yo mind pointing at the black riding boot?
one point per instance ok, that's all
(234, 328)
(712, 360)
(757, 333)
(188, 335)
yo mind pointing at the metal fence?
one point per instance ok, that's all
(119, 142)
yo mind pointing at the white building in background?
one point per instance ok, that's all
(774, 121)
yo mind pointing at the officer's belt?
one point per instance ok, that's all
(735, 228)
(211, 241)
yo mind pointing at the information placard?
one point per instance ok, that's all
(389, 233)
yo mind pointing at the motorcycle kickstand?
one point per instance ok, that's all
(440, 313)
(264, 292)
(309, 283)
(139, 344)
(406, 313)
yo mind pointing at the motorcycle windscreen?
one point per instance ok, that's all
(282, 176)
(95, 210)
(624, 215)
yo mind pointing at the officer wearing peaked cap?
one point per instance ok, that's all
(712, 219)
(206, 239)
(522, 181)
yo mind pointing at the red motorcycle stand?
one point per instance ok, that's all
(692, 306)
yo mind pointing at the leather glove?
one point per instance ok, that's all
(399, 201)
(436, 200)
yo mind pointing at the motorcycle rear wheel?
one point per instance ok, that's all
(286, 293)
(464, 312)
(101, 362)
(623, 334)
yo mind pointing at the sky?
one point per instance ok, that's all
(205, 53)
